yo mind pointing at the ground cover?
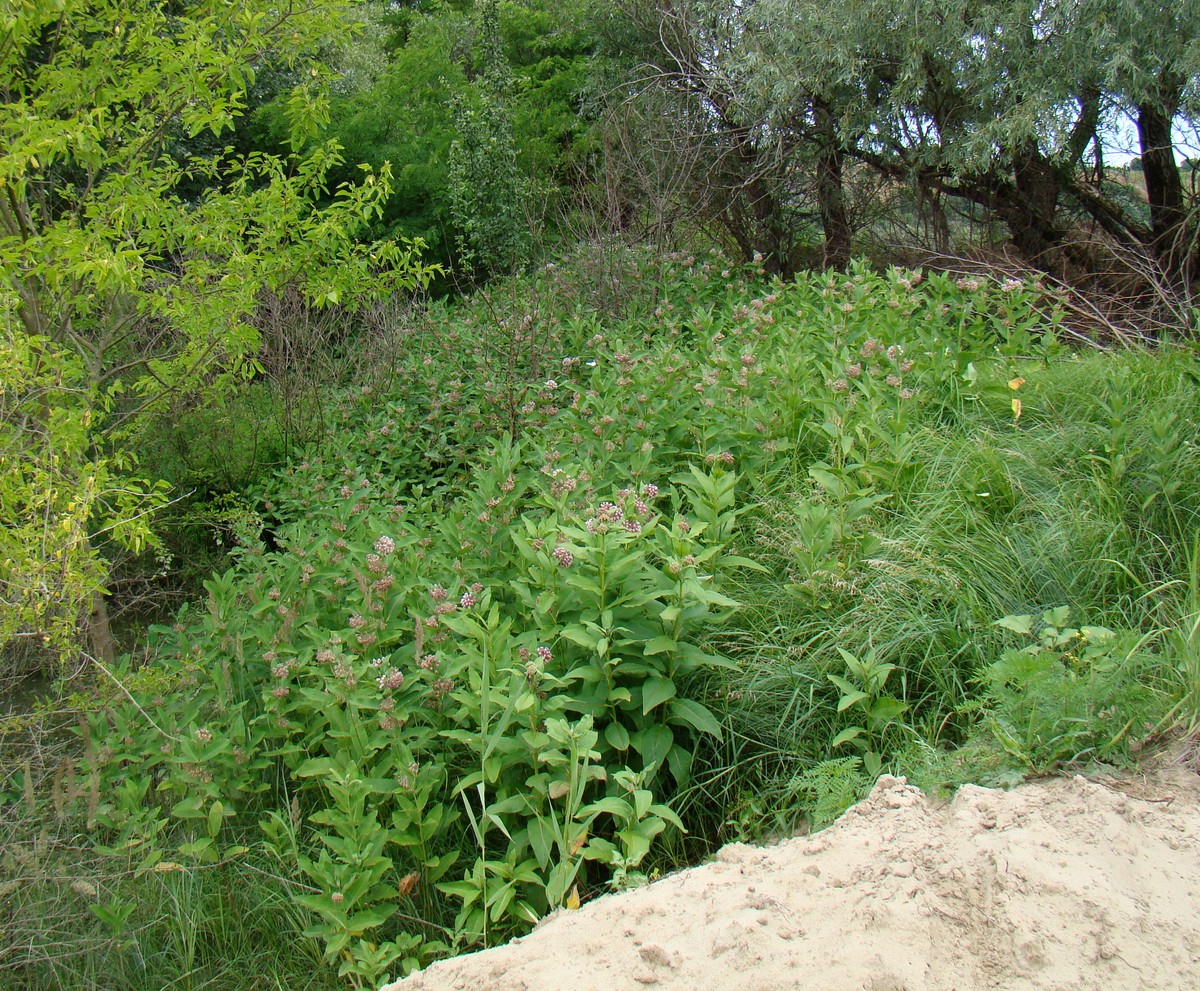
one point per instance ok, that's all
(563, 600)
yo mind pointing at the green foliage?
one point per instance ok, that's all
(762, 121)
(422, 719)
(458, 79)
(1183, 642)
(405, 118)
(905, 526)
(487, 200)
(128, 291)
(877, 714)
(1072, 695)
(551, 591)
(830, 788)
(58, 494)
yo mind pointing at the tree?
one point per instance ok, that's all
(465, 72)
(1005, 104)
(1149, 57)
(488, 194)
(125, 290)
(680, 61)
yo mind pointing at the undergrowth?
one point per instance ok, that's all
(562, 601)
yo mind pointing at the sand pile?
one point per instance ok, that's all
(1063, 884)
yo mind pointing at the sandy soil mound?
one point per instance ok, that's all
(1055, 885)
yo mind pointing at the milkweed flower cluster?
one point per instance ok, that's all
(632, 517)
(886, 363)
(390, 680)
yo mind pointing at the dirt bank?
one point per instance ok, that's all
(1062, 884)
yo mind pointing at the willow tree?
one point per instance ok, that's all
(1007, 104)
(1149, 59)
(678, 80)
(124, 290)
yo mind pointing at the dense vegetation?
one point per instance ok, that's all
(393, 555)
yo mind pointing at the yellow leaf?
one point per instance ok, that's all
(1016, 383)
(580, 840)
(1016, 408)
(408, 883)
(573, 898)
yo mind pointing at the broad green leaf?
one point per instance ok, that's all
(617, 736)
(656, 691)
(540, 840)
(618, 808)
(653, 743)
(886, 708)
(660, 645)
(1057, 617)
(1018, 624)
(580, 636)
(848, 735)
(695, 715)
(849, 699)
(216, 812)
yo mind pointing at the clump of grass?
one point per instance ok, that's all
(1086, 501)
(88, 920)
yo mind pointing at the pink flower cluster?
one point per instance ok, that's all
(390, 680)
(607, 515)
(636, 513)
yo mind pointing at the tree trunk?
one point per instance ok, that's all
(1164, 188)
(1027, 205)
(831, 198)
(931, 214)
(99, 632)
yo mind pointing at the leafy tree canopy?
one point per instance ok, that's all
(436, 63)
(134, 246)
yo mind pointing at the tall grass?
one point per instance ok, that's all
(1085, 501)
